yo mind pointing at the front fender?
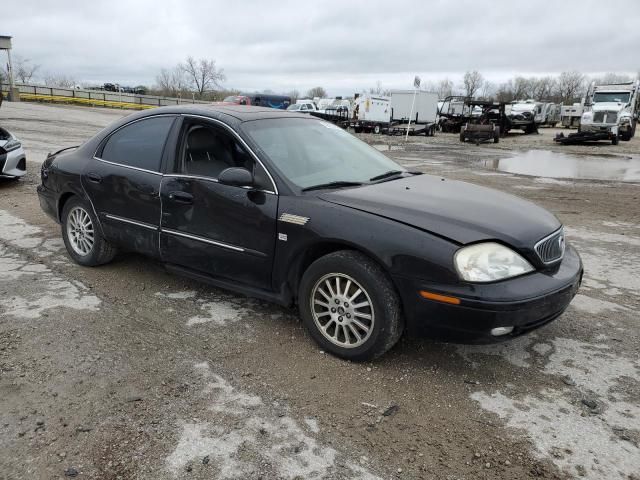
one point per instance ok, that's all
(400, 249)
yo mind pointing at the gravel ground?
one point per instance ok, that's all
(125, 371)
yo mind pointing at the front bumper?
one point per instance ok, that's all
(13, 164)
(524, 303)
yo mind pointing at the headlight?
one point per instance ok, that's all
(12, 144)
(586, 117)
(625, 120)
(488, 262)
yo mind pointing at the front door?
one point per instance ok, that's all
(224, 231)
(123, 183)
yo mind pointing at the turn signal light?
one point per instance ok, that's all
(439, 298)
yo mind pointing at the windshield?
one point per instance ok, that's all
(313, 152)
(612, 97)
(231, 99)
(295, 106)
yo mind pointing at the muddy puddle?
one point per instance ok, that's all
(543, 163)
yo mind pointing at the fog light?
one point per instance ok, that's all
(499, 331)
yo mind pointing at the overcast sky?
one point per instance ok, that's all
(343, 45)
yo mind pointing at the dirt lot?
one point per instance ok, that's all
(127, 372)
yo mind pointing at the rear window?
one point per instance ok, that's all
(139, 144)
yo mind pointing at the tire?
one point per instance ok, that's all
(353, 272)
(376, 129)
(462, 137)
(496, 139)
(90, 248)
(615, 140)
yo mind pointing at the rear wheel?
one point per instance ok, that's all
(349, 306)
(376, 129)
(462, 136)
(82, 236)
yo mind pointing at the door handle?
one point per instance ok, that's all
(94, 177)
(181, 197)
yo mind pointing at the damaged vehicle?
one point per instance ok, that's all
(13, 160)
(525, 116)
(292, 209)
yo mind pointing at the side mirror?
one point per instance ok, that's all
(236, 177)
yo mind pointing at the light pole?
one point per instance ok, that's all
(5, 44)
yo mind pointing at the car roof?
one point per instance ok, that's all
(241, 113)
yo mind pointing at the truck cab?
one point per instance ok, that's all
(612, 109)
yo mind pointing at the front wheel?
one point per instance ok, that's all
(615, 140)
(349, 306)
(82, 236)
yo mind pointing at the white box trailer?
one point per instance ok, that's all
(425, 108)
(371, 113)
(423, 114)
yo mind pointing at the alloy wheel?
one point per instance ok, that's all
(342, 310)
(80, 231)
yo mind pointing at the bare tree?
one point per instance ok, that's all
(444, 88)
(59, 80)
(203, 74)
(610, 78)
(294, 94)
(472, 82)
(488, 90)
(569, 86)
(377, 90)
(522, 88)
(317, 92)
(172, 82)
(23, 69)
(542, 88)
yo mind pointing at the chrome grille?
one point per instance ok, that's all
(605, 117)
(551, 249)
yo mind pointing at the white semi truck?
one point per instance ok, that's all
(611, 111)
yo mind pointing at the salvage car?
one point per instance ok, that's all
(292, 209)
(13, 160)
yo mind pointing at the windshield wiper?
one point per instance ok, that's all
(384, 175)
(340, 183)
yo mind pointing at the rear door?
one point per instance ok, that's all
(123, 183)
(224, 231)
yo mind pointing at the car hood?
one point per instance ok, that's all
(607, 107)
(459, 211)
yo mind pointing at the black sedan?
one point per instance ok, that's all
(289, 208)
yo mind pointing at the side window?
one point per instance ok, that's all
(208, 150)
(139, 144)
(304, 107)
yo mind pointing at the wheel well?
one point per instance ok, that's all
(64, 198)
(313, 253)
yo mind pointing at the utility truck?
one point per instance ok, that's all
(570, 115)
(610, 113)
(371, 113)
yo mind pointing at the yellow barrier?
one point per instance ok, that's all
(83, 101)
